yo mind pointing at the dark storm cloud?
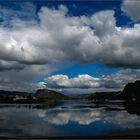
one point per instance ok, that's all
(9, 65)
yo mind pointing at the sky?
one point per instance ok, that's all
(73, 47)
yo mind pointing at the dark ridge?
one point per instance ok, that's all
(116, 95)
(12, 93)
(132, 91)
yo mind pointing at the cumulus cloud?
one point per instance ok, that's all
(59, 38)
(88, 84)
(121, 78)
(41, 85)
(52, 36)
(103, 23)
(131, 9)
(81, 81)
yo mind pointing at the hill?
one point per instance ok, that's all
(131, 92)
(114, 95)
(44, 94)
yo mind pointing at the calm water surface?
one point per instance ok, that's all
(69, 118)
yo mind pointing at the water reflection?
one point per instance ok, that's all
(65, 119)
(87, 116)
(132, 107)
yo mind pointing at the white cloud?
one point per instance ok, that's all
(81, 81)
(131, 9)
(58, 37)
(103, 22)
(121, 78)
(41, 85)
(88, 84)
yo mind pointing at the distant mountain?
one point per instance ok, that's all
(114, 95)
(12, 93)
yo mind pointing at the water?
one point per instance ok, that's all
(69, 118)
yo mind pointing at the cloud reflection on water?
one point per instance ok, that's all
(86, 116)
(64, 120)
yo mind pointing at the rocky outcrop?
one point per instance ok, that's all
(132, 91)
